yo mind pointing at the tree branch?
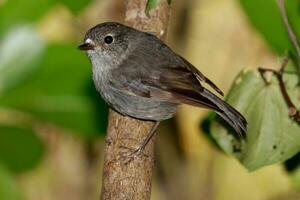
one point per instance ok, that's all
(292, 35)
(132, 180)
(293, 112)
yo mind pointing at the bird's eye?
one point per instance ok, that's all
(108, 39)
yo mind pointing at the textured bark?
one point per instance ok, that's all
(124, 180)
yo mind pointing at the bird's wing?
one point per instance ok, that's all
(166, 81)
(201, 76)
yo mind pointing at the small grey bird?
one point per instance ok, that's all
(141, 77)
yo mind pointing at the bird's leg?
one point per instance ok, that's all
(148, 138)
(142, 146)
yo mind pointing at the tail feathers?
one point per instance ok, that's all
(228, 113)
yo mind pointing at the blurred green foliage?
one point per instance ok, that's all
(20, 148)
(44, 82)
(8, 186)
(75, 7)
(61, 91)
(20, 52)
(265, 16)
(17, 12)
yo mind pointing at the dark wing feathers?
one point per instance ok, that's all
(177, 85)
(200, 76)
(171, 82)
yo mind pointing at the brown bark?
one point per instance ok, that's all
(122, 179)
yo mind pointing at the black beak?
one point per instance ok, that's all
(86, 46)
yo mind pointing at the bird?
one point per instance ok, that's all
(139, 76)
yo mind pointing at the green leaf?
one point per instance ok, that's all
(16, 12)
(265, 16)
(20, 51)
(20, 148)
(61, 91)
(271, 135)
(8, 187)
(151, 4)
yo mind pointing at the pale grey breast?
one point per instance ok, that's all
(127, 104)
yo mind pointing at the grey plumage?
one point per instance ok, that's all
(139, 76)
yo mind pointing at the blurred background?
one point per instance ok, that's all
(53, 122)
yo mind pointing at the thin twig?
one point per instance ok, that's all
(290, 31)
(293, 112)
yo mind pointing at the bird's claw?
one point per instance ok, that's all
(131, 154)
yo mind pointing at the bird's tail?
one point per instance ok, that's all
(227, 112)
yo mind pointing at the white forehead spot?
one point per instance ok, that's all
(89, 41)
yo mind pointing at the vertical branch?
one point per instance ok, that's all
(132, 180)
(292, 35)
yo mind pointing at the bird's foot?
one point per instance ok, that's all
(129, 154)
